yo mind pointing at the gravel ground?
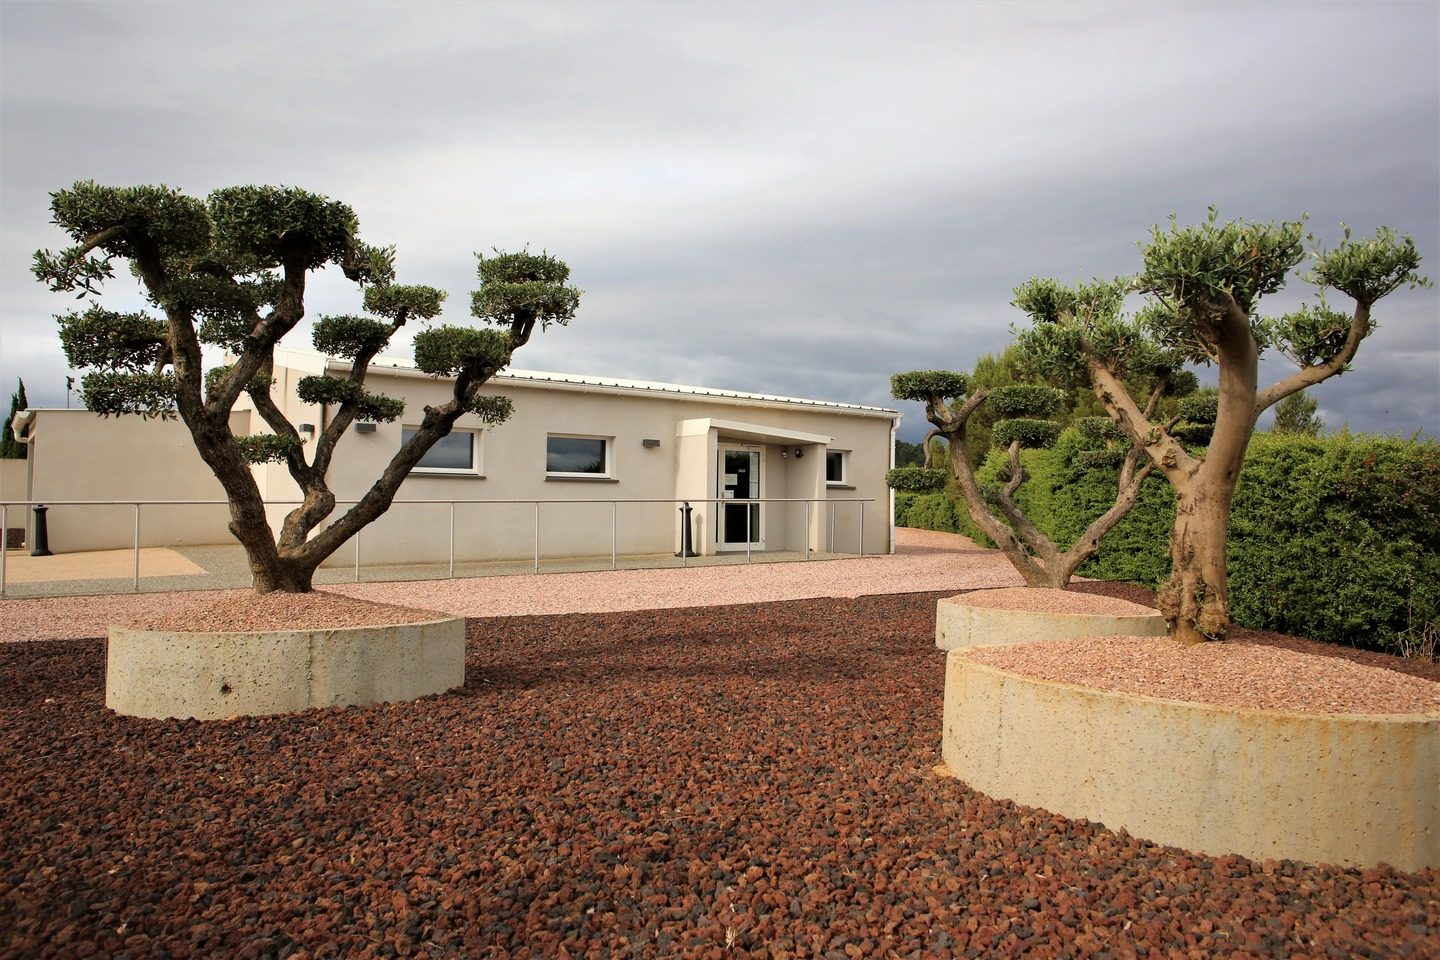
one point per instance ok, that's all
(925, 561)
(236, 613)
(712, 782)
(1250, 669)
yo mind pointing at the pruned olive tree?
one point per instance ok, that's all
(1023, 409)
(230, 271)
(1204, 285)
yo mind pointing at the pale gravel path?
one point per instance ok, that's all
(925, 561)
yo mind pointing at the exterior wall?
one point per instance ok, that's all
(156, 460)
(79, 455)
(14, 481)
(512, 468)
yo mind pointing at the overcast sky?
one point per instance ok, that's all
(788, 198)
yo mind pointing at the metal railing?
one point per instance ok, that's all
(535, 503)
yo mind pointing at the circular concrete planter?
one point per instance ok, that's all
(208, 676)
(1346, 789)
(987, 618)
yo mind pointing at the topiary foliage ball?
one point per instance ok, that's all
(1032, 434)
(1099, 459)
(923, 385)
(1200, 408)
(916, 479)
(1026, 400)
(1099, 429)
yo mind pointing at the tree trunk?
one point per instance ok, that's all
(1193, 600)
(287, 576)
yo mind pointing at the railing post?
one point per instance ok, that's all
(749, 532)
(452, 539)
(357, 556)
(137, 548)
(862, 528)
(4, 545)
(537, 536)
(807, 529)
(612, 534)
(832, 527)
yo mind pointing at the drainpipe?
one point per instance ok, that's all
(894, 429)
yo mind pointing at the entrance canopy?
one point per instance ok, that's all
(753, 432)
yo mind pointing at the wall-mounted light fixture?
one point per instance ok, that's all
(364, 428)
(799, 453)
(307, 428)
(650, 443)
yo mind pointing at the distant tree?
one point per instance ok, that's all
(1297, 414)
(1022, 412)
(909, 454)
(231, 271)
(1204, 285)
(11, 448)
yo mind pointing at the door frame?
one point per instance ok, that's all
(758, 542)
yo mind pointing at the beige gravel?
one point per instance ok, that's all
(1055, 601)
(242, 612)
(1255, 671)
(925, 561)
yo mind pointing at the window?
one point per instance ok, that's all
(578, 457)
(836, 464)
(457, 452)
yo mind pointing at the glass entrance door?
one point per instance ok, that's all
(740, 523)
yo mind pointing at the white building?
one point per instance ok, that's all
(599, 454)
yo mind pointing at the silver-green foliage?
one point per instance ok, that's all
(920, 385)
(1026, 400)
(916, 479)
(1030, 434)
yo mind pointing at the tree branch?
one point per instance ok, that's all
(1311, 375)
(925, 445)
(345, 415)
(100, 237)
(1037, 541)
(259, 344)
(1161, 448)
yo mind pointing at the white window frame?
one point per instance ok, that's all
(844, 480)
(607, 474)
(476, 462)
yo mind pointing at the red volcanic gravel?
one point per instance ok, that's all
(715, 782)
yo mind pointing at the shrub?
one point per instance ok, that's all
(1336, 538)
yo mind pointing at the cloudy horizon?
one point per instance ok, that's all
(794, 199)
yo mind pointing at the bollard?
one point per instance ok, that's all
(687, 548)
(42, 533)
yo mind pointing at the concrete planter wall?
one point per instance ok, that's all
(967, 621)
(155, 673)
(1345, 789)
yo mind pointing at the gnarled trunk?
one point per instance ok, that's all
(1193, 600)
(285, 576)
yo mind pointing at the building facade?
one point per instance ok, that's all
(609, 462)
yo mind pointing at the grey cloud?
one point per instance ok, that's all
(795, 199)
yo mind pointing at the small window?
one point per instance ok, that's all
(577, 456)
(456, 452)
(836, 462)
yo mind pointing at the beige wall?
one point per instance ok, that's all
(13, 482)
(513, 467)
(81, 456)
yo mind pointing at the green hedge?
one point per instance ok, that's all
(1335, 538)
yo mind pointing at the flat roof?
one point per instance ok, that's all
(614, 383)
